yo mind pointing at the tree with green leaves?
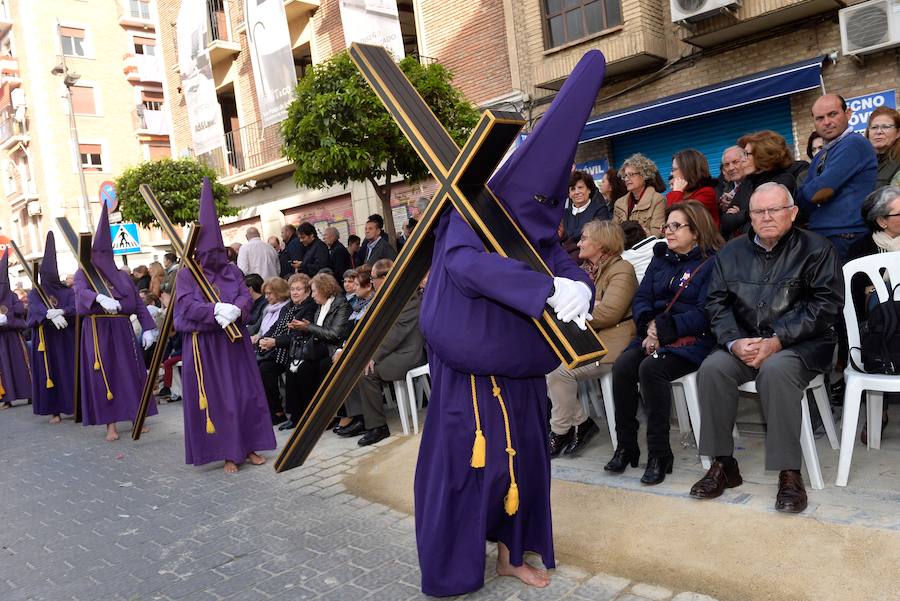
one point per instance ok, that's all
(337, 131)
(176, 183)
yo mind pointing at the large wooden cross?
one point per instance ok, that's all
(462, 175)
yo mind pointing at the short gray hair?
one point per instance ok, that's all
(771, 187)
(729, 149)
(878, 204)
(422, 203)
(251, 233)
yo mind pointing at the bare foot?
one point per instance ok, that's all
(112, 434)
(145, 429)
(256, 459)
(528, 574)
(231, 467)
(6, 405)
(55, 419)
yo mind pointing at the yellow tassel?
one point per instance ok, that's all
(511, 502)
(96, 366)
(109, 395)
(41, 347)
(49, 383)
(210, 428)
(2, 390)
(203, 403)
(478, 450)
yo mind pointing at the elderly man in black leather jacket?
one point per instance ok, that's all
(773, 300)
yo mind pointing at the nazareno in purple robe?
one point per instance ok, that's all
(112, 380)
(52, 350)
(226, 415)
(476, 318)
(15, 373)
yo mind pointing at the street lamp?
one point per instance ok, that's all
(70, 78)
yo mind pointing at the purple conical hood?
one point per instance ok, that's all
(541, 166)
(4, 274)
(211, 254)
(49, 273)
(102, 255)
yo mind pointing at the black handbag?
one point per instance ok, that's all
(307, 348)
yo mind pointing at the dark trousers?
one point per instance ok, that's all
(366, 397)
(271, 370)
(654, 375)
(301, 386)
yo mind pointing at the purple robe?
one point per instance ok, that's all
(15, 373)
(57, 360)
(121, 364)
(477, 320)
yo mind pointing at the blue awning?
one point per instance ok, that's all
(766, 85)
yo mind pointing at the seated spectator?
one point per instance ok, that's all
(585, 204)
(315, 252)
(691, 181)
(254, 284)
(767, 158)
(277, 294)
(773, 300)
(274, 346)
(638, 248)
(601, 246)
(643, 203)
(365, 292)
(731, 174)
(349, 284)
(883, 133)
(611, 188)
(327, 330)
(673, 336)
(881, 212)
(401, 350)
(171, 357)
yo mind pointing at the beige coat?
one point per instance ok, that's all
(615, 285)
(650, 211)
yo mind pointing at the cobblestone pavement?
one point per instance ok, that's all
(91, 521)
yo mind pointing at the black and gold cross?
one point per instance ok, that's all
(462, 175)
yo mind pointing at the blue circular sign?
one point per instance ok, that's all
(108, 196)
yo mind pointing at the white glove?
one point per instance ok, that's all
(110, 305)
(3, 319)
(149, 337)
(51, 313)
(571, 300)
(226, 314)
(59, 321)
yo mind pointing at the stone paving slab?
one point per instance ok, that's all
(86, 520)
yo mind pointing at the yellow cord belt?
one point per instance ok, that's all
(98, 361)
(511, 501)
(198, 369)
(42, 348)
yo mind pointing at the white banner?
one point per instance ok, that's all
(373, 22)
(271, 56)
(204, 113)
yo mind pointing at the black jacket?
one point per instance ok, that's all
(337, 325)
(315, 257)
(382, 250)
(338, 259)
(796, 292)
(735, 224)
(293, 251)
(256, 315)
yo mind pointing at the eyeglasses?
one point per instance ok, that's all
(773, 212)
(630, 175)
(673, 227)
(882, 127)
(893, 215)
(746, 155)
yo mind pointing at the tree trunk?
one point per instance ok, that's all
(384, 193)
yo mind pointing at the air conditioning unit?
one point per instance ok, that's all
(691, 11)
(870, 26)
(34, 208)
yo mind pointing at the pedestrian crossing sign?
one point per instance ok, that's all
(125, 240)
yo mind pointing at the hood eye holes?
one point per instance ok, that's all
(550, 202)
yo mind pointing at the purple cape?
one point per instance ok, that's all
(226, 372)
(459, 507)
(15, 373)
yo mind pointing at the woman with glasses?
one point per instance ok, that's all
(691, 181)
(673, 336)
(643, 202)
(883, 133)
(766, 158)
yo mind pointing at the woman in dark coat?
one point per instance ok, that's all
(767, 158)
(673, 336)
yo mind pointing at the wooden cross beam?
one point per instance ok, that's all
(188, 261)
(164, 331)
(462, 175)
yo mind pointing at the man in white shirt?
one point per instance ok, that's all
(257, 256)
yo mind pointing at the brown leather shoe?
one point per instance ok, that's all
(791, 496)
(717, 479)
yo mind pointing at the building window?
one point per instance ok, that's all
(159, 151)
(152, 101)
(91, 159)
(139, 9)
(72, 40)
(83, 100)
(570, 20)
(144, 45)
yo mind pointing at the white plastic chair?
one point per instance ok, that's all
(410, 394)
(857, 382)
(176, 388)
(807, 440)
(590, 392)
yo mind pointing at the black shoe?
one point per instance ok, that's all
(374, 435)
(354, 428)
(657, 468)
(279, 418)
(338, 426)
(164, 391)
(584, 432)
(558, 442)
(288, 425)
(621, 459)
(791, 496)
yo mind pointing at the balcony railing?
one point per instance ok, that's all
(10, 127)
(151, 122)
(218, 21)
(246, 148)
